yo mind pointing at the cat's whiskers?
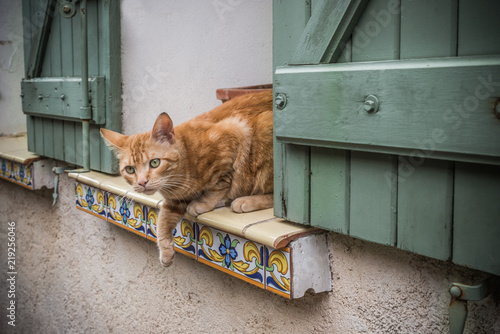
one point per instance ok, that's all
(121, 195)
(178, 180)
(123, 198)
(184, 186)
(173, 188)
(172, 194)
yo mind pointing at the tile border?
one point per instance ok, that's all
(278, 271)
(245, 259)
(16, 172)
(234, 255)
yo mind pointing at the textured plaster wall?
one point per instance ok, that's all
(78, 274)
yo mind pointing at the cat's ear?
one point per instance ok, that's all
(114, 140)
(163, 130)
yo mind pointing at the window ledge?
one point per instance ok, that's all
(282, 257)
(22, 167)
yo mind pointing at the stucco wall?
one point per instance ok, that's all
(78, 274)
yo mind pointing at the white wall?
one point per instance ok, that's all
(177, 53)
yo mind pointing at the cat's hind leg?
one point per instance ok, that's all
(252, 203)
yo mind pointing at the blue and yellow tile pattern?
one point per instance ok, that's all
(232, 254)
(18, 173)
(127, 213)
(252, 262)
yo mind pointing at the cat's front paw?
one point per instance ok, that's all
(196, 208)
(167, 254)
(245, 204)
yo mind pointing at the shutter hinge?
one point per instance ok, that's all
(460, 294)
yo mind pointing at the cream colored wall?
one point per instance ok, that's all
(177, 53)
(78, 274)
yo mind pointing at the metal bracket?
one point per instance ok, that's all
(57, 171)
(60, 170)
(460, 294)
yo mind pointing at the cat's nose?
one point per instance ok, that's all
(143, 183)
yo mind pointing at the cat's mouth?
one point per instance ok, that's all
(145, 191)
(149, 191)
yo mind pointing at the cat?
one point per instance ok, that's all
(221, 157)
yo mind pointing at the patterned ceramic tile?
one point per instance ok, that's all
(250, 261)
(185, 238)
(231, 254)
(278, 270)
(5, 169)
(151, 222)
(91, 200)
(17, 173)
(127, 213)
(23, 175)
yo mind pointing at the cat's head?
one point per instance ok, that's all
(147, 160)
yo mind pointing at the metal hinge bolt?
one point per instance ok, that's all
(280, 101)
(67, 9)
(371, 104)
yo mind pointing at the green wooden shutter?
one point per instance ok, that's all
(422, 173)
(51, 90)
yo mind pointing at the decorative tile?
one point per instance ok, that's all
(263, 263)
(127, 213)
(184, 233)
(17, 173)
(91, 200)
(6, 168)
(151, 223)
(23, 175)
(185, 238)
(231, 254)
(278, 271)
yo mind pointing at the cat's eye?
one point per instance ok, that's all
(154, 163)
(130, 169)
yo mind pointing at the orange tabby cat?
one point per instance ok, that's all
(222, 156)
